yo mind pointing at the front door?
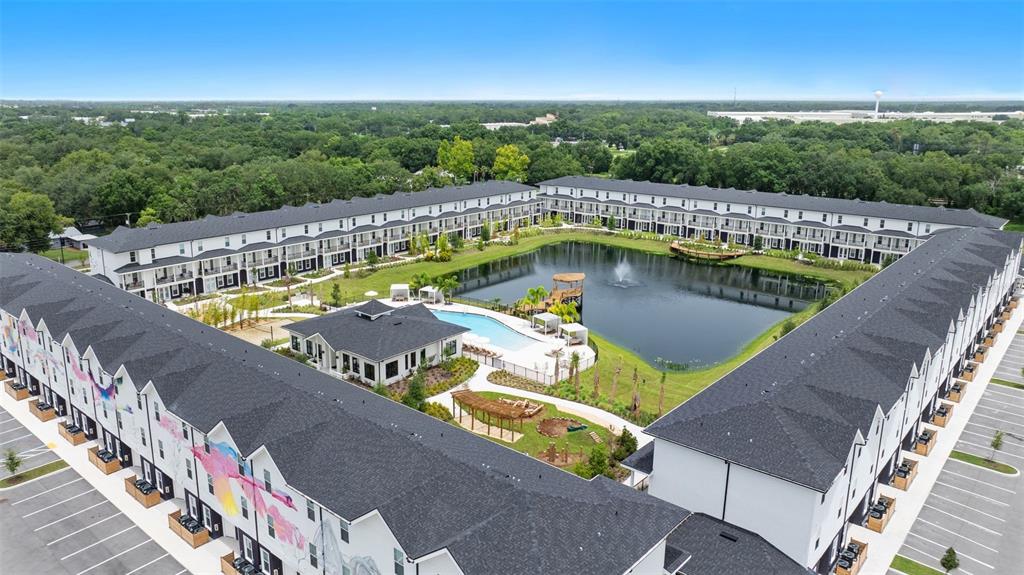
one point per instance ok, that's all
(207, 518)
(248, 549)
(192, 507)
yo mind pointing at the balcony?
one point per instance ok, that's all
(905, 474)
(188, 528)
(15, 389)
(137, 284)
(42, 410)
(142, 491)
(852, 558)
(219, 270)
(925, 442)
(880, 513)
(264, 262)
(301, 255)
(942, 415)
(174, 278)
(72, 433)
(104, 460)
(956, 392)
(850, 242)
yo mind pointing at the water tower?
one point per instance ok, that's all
(878, 98)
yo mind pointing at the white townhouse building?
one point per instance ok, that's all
(794, 443)
(831, 227)
(376, 343)
(301, 473)
(166, 261)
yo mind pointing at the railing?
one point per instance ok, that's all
(264, 261)
(219, 270)
(174, 278)
(134, 285)
(302, 254)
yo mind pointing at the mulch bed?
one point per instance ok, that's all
(556, 426)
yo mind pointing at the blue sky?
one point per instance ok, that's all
(511, 50)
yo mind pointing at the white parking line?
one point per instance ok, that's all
(964, 520)
(960, 553)
(933, 558)
(6, 420)
(16, 439)
(59, 539)
(972, 493)
(1010, 491)
(10, 430)
(45, 492)
(972, 422)
(114, 557)
(107, 538)
(1004, 391)
(990, 447)
(137, 569)
(983, 398)
(937, 526)
(72, 515)
(58, 503)
(1002, 410)
(968, 507)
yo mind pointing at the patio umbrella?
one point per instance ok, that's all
(370, 293)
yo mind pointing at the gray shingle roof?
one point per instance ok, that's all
(969, 218)
(708, 546)
(437, 486)
(378, 331)
(126, 239)
(794, 409)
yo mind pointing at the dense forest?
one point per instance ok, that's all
(176, 165)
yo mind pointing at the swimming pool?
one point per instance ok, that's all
(496, 332)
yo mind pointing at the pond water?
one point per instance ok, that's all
(661, 307)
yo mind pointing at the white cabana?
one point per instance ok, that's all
(430, 294)
(399, 292)
(546, 322)
(574, 333)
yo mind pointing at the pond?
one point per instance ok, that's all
(660, 307)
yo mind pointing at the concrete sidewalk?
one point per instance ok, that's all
(152, 521)
(882, 547)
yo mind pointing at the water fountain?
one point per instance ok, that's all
(623, 275)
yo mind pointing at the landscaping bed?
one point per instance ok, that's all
(558, 426)
(509, 379)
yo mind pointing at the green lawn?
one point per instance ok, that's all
(533, 442)
(846, 278)
(70, 255)
(911, 567)
(1006, 383)
(982, 462)
(33, 473)
(1014, 227)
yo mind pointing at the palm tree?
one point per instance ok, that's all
(447, 285)
(597, 382)
(535, 295)
(558, 360)
(574, 364)
(636, 393)
(566, 311)
(661, 394)
(615, 378)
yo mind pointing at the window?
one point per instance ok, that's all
(245, 506)
(785, 213)
(270, 526)
(295, 343)
(865, 222)
(268, 235)
(152, 254)
(243, 239)
(156, 411)
(399, 562)
(184, 430)
(181, 249)
(267, 484)
(241, 466)
(206, 444)
(209, 484)
(344, 530)
(142, 434)
(188, 468)
(824, 217)
(160, 447)
(839, 219)
(370, 371)
(227, 242)
(749, 208)
(391, 369)
(762, 211)
(927, 228)
(310, 510)
(312, 555)
(284, 232)
(120, 424)
(881, 223)
(305, 230)
(910, 226)
(715, 206)
(199, 246)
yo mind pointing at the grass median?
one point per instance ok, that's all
(33, 473)
(983, 462)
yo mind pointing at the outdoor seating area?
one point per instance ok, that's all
(545, 322)
(981, 353)
(399, 292)
(142, 491)
(492, 411)
(968, 373)
(957, 390)
(72, 433)
(905, 474)
(925, 442)
(231, 565)
(188, 528)
(16, 389)
(430, 294)
(104, 460)
(574, 333)
(880, 513)
(529, 408)
(942, 414)
(852, 558)
(42, 410)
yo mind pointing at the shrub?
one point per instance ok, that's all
(625, 445)
(439, 411)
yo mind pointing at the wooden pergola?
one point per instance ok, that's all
(493, 409)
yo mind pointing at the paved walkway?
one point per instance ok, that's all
(152, 521)
(909, 504)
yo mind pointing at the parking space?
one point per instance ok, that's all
(15, 437)
(978, 512)
(1009, 368)
(60, 524)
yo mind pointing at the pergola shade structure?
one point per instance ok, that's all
(546, 322)
(493, 410)
(574, 333)
(399, 292)
(430, 294)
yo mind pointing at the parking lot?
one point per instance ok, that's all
(978, 512)
(15, 437)
(60, 524)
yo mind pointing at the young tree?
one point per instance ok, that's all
(597, 382)
(996, 444)
(416, 394)
(574, 366)
(372, 259)
(510, 163)
(615, 378)
(290, 272)
(950, 561)
(625, 445)
(661, 394)
(611, 223)
(485, 231)
(12, 462)
(336, 295)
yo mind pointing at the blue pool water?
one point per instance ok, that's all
(496, 332)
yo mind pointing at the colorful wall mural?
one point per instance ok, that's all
(104, 391)
(9, 332)
(334, 560)
(222, 464)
